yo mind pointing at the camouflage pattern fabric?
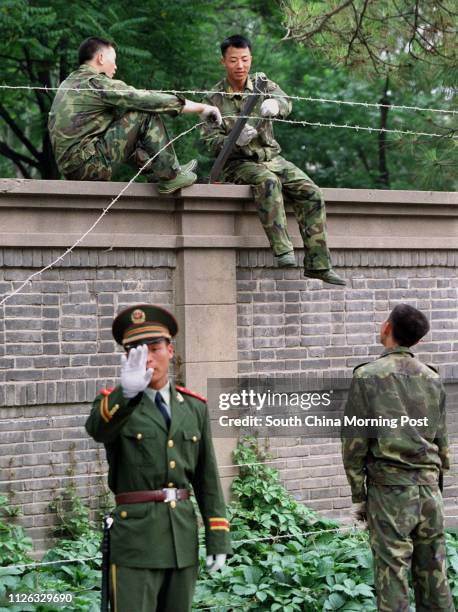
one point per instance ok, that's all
(395, 385)
(406, 527)
(259, 164)
(398, 472)
(271, 181)
(91, 125)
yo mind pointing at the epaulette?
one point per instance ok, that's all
(360, 365)
(191, 393)
(433, 368)
(106, 391)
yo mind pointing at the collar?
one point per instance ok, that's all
(87, 68)
(165, 392)
(396, 349)
(248, 87)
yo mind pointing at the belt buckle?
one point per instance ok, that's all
(170, 494)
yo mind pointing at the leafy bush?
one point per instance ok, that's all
(279, 561)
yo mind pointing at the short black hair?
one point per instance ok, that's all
(408, 324)
(238, 41)
(90, 46)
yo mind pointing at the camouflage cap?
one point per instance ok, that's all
(143, 324)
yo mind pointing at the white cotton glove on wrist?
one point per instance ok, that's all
(246, 135)
(270, 108)
(216, 562)
(211, 114)
(134, 375)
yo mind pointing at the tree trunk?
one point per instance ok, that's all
(383, 180)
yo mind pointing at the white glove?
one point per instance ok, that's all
(216, 562)
(211, 114)
(359, 511)
(134, 375)
(270, 108)
(246, 135)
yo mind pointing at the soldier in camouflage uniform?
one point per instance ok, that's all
(97, 122)
(256, 160)
(158, 442)
(396, 474)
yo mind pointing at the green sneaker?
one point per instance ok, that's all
(182, 179)
(287, 260)
(327, 276)
(190, 166)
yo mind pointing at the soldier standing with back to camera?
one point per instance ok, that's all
(396, 476)
(158, 442)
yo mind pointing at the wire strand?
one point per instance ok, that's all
(225, 93)
(100, 217)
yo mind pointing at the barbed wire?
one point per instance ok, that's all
(363, 128)
(99, 218)
(225, 93)
(291, 536)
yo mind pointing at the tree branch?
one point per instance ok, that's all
(18, 132)
(324, 19)
(17, 158)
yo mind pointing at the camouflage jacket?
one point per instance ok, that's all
(262, 148)
(144, 455)
(395, 385)
(78, 118)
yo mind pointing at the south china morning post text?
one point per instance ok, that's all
(301, 407)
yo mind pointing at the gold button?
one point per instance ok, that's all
(123, 514)
(115, 407)
(194, 438)
(172, 464)
(171, 484)
(173, 503)
(170, 443)
(139, 436)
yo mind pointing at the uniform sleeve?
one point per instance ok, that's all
(274, 91)
(209, 495)
(355, 449)
(212, 134)
(117, 94)
(441, 439)
(109, 413)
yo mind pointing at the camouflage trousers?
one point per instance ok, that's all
(134, 138)
(406, 526)
(271, 181)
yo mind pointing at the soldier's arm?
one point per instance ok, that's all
(212, 134)
(274, 91)
(110, 411)
(209, 495)
(120, 95)
(441, 440)
(355, 449)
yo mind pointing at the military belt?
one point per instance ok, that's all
(159, 495)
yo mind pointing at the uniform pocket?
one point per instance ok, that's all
(138, 447)
(191, 442)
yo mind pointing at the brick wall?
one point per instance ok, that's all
(56, 352)
(288, 325)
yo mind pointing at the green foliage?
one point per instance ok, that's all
(279, 562)
(174, 44)
(72, 515)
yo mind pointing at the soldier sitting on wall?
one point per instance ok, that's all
(97, 122)
(255, 161)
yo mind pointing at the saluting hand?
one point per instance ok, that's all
(134, 375)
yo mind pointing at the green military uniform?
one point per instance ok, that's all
(154, 545)
(106, 122)
(398, 475)
(259, 164)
